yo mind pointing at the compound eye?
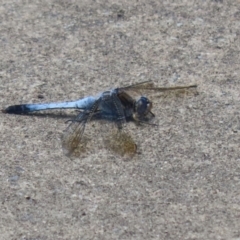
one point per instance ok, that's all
(142, 106)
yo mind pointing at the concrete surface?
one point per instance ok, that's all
(185, 183)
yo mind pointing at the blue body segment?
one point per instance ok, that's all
(84, 103)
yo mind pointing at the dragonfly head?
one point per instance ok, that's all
(143, 109)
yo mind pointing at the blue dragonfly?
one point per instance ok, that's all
(108, 113)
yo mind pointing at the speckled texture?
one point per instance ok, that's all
(185, 184)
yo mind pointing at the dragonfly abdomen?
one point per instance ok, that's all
(84, 103)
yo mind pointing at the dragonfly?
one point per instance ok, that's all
(109, 112)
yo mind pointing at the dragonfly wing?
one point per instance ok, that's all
(120, 142)
(116, 137)
(147, 88)
(73, 135)
(149, 85)
(74, 141)
(138, 86)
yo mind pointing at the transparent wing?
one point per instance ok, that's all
(141, 85)
(149, 85)
(74, 141)
(117, 138)
(148, 88)
(120, 142)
